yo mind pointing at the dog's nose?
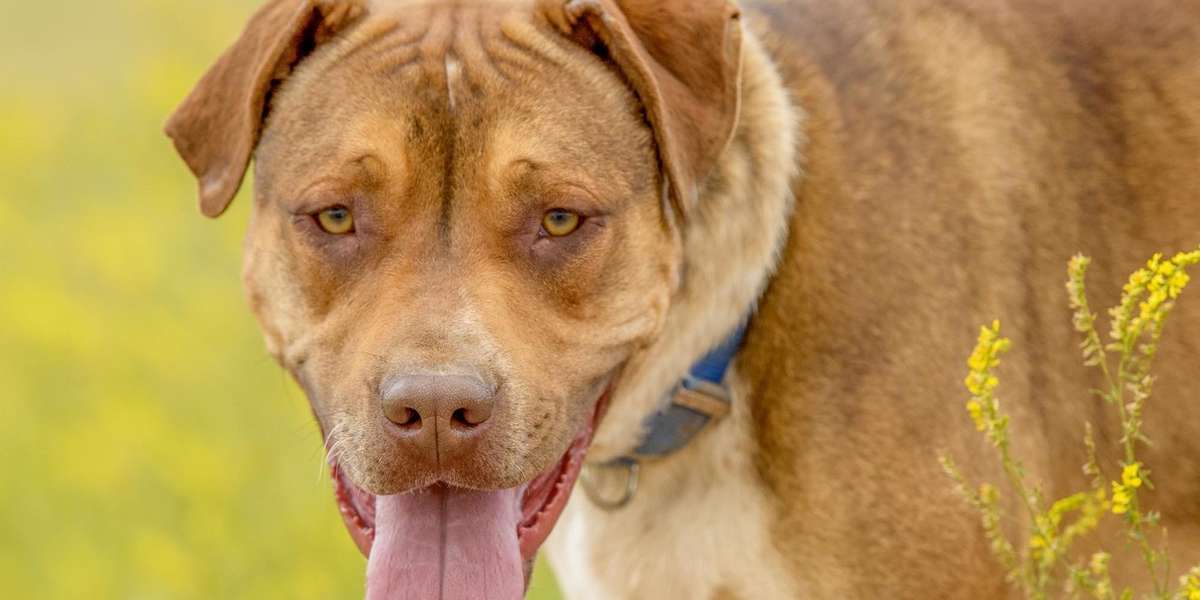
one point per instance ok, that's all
(438, 413)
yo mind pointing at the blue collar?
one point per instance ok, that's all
(701, 397)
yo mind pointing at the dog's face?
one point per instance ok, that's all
(460, 234)
(481, 233)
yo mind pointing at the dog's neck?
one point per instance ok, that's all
(731, 244)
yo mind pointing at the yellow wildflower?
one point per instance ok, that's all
(1190, 584)
(977, 361)
(1137, 280)
(972, 383)
(1176, 283)
(984, 358)
(988, 493)
(1150, 290)
(1154, 261)
(1130, 477)
(1121, 499)
(976, 411)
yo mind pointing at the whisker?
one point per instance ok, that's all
(332, 450)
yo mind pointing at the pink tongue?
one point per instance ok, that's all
(446, 544)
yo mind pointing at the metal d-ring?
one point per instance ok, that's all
(631, 468)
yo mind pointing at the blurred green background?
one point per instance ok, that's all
(151, 448)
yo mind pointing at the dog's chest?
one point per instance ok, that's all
(697, 528)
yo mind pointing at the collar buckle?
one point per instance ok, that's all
(591, 476)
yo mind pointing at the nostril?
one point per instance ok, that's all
(402, 415)
(408, 419)
(467, 419)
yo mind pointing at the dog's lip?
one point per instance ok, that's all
(542, 499)
(357, 508)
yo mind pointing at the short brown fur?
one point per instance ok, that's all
(959, 153)
(889, 175)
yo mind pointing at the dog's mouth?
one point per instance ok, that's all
(444, 542)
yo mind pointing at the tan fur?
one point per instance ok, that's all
(959, 153)
(699, 515)
(753, 182)
(934, 198)
(698, 527)
(888, 176)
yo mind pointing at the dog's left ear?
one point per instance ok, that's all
(683, 60)
(217, 126)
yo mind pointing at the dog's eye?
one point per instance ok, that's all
(336, 220)
(558, 223)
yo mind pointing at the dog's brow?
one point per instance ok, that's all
(369, 163)
(522, 165)
(365, 165)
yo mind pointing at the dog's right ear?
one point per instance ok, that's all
(683, 59)
(217, 126)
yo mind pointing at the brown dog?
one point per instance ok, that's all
(489, 234)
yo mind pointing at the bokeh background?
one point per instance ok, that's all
(150, 447)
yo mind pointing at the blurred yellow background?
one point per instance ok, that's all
(151, 448)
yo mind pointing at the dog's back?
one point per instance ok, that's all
(958, 154)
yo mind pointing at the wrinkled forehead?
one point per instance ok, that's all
(446, 72)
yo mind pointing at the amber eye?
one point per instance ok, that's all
(558, 223)
(336, 220)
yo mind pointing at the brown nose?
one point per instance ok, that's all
(439, 415)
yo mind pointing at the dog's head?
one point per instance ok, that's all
(466, 219)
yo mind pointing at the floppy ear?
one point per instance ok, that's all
(216, 127)
(683, 60)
